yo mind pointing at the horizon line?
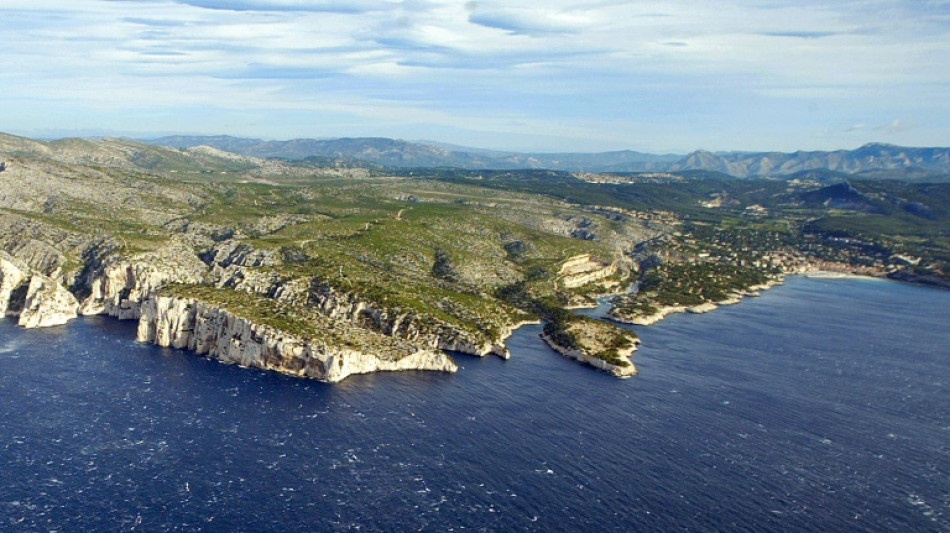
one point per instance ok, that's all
(150, 138)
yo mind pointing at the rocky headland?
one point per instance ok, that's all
(584, 356)
(593, 342)
(135, 289)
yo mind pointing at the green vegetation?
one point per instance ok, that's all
(591, 336)
(260, 310)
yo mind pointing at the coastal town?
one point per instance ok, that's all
(700, 267)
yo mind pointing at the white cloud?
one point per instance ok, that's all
(894, 127)
(488, 64)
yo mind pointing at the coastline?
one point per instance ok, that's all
(515, 327)
(500, 348)
(831, 274)
(752, 291)
(706, 307)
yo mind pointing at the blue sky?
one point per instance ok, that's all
(569, 75)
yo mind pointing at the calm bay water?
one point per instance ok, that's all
(822, 405)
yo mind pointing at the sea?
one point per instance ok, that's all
(822, 405)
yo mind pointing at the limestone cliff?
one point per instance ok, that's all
(38, 300)
(47, 304)
(360, 311)
(11, 277)
(429, 332)
(582, 269)
(574, 281)
(129, 287)
(216, 332)
(118, 288)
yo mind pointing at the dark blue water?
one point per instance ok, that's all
(824, 405)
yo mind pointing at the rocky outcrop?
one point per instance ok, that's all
(581, 279)
(582, 269)
(47, 304)
(120, 287)
(644, 320)
(38, 300)
(359, 311)
(432, 333)
(575, 265)
(11, 277)
(265, 283)
(232, 252)
(584, 357)
(216, 332)
(36, 256)
(703, 308)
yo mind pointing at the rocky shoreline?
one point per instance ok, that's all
(752, 291)
(133, 288)
(663, 312)
(584, 357)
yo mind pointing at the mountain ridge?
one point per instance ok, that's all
(873, 160)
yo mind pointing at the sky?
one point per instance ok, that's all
(559, 75)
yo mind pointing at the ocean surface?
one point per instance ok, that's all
(823, 405)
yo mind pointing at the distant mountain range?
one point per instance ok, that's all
(873, 160)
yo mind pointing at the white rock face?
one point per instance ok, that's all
(703, 308)
(209, 330)
(10, 278)
(106, 290)
(47, 304)
(435, 335)
(122, 287)
(126, 289)
(649, 320)
(580, 277)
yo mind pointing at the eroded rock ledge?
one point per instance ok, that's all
(218, 333)
(39, 301)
